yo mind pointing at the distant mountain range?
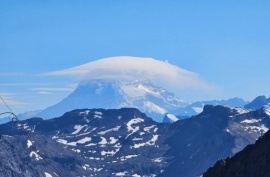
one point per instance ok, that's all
(125, 142)
(153, 100)
(197, 107)
(258, 102)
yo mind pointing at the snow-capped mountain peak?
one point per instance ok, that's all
(142, 94)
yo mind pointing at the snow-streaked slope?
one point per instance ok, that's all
(170, 118)
(106, 142)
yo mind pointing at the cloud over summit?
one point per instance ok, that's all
(136, 68)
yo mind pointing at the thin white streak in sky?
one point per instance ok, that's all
(12, 74)
(24, 84)
(52, 89)
(14, 103)
(44, 93)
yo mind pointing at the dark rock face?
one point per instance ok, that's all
(125, 142)
(253, 161)
(258, 103)
(207, 141)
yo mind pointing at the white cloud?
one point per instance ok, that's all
(14, 103)
(44, 93)
(6, 94)
(24, 84)
(123, 68)
(9, 100)
(11, 74)
(51, 89)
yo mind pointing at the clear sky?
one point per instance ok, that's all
(227, 43)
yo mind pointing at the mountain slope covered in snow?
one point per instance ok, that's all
(111, 94)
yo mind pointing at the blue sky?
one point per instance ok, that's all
(225, 42)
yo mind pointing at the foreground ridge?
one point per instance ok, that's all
(125, 142)
(253, 161)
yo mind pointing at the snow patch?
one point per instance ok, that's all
(29, 143)
(198, 110)
(250, 121)
(103, 141)
(158, 160)
(241, 110)
(147, 129)
(91, 144)
(153, 140)
(121, 173)
(137, 139)
(133, 121)
(84, 140)
(136, 175)
(139, 145)
(129, 156)
(76, 150)
(47, 174)
(85, 112)
(98, 113)
(85, 166)
(77, 128)
(35, 155)
(111, 153)
(148, 90)
(137, 90)
(172, 117)
(149, 143)
(261, 128)
(97, 116)
(267, 111)
(109, 130)
(154, 108)
(130, 128)
(113, 140)
(62, 141)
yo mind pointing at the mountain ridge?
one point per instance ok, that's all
(258, 102)
(106, 142)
